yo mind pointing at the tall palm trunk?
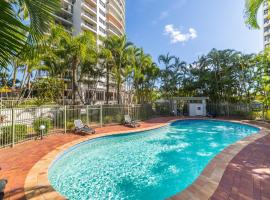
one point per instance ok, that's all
(14, 76)
(107, 84)
(75, 64)
(118, 91)
(24, 76)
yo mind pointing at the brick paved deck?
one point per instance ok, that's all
(246, 177)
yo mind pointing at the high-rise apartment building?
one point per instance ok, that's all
(103, 18)
(266, 24)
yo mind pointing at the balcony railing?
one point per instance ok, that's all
(90, 7)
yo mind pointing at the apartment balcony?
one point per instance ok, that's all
(89, 17)
(266, 22)
(116, 12)
(112, 21)
(93, 2)
(266, 32)
(118, 7)
(89, 27)
(266, 13)
(63, 19)
(90, 8)
(113, 31)
(71, 2)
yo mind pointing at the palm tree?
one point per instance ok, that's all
(23, 22)
(30, 65)
(121, 52)
(15, 67)
(252, 9)
(76, 51)
(107, 63)
(166, 74)
(166, 60)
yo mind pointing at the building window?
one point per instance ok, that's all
(102, 13)
(102, 30)
(100, 96)
(102, 3)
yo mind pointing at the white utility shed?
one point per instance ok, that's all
(196, 105)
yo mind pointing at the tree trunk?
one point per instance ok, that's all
(14, 77)
(107, 84)
(24, 76)
(118, 91)
(75, 64)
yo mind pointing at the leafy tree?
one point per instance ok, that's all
(262, 79)
(172, 77)
(107, 63)
(120, 51)
(143, 74)
(48, 90)
(166, 74)
(70, 53)
(223, 75)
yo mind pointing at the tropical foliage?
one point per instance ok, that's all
(48, 90)
(252, 9)
(23, 23)
(77, 60)
(222, 75)
(116, 63)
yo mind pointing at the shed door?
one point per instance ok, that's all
(195, 109)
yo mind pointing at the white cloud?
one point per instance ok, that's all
(177, 36)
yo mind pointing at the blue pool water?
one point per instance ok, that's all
(148, 165)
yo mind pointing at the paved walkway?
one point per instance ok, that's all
(246, 178)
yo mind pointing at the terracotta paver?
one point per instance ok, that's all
(247, 177)
(17, 162)
(242, 171)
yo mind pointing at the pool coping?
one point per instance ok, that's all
(37, 185)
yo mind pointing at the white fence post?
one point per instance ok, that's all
(128, 109)
(101, 116)
(65, 118)
(87, 114)
(13, 127)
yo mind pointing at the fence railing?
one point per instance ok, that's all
(21, 124)
(245, 111)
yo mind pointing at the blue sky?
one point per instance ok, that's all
(189, 28)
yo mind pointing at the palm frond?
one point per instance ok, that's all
(41, 13)
(12, 33)
(251, 12)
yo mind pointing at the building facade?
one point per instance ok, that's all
(266, 24)
(103, 18)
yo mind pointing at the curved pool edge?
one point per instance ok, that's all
(37, 185)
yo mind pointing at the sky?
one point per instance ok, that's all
(190, 28)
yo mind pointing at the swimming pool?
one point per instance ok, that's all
(153, 164)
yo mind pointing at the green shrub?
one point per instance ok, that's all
(108, 119)
(119, 118)
(267, 115)
(255, 115)
(70, 126)
(47, 122)
(6, 133)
